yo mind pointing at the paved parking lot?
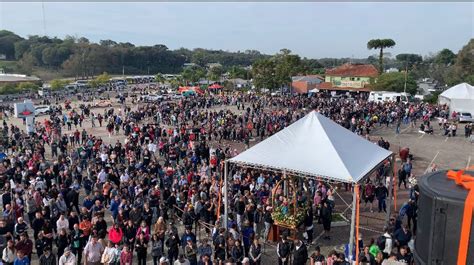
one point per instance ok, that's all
(445, 152)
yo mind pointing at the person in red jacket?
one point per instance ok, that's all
(115, 234)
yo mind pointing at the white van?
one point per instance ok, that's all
(386, 96)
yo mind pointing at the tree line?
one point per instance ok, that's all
(81, 58)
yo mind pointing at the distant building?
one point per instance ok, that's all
(392, 70)
(303, 84)
(239, 82)
(427, 85)
(350, 77)
(16, 79)
(189, 65)
(212, 65)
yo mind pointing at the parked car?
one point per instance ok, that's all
(103, 103)
(465, 117)
(42, 110)
(177, 96)
(151, 98)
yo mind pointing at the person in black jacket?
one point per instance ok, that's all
(141, 248)
(300, 254)
(237, 252)
(308, 222)
(268, 221)
(188, 217)
(77, 242)
(130, 232)
(173, 247)
(381, 192)
(72, 199)
(47, 258)
(101, 226)
(411, 215)
(326, 217)
(62, 241)
(37, 224)
(40, 244)
(284, 251)
(240, 210)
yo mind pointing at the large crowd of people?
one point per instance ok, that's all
(161, 186)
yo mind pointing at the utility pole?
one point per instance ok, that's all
(44, 19)
(405, 85)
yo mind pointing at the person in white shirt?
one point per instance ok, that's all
(388, 242)
(103, 157)
(93, 251)
(102, 176)
(62, 223)
(152, 148)
(67, 258)
(9, 255)
(182, 261)
(124, 177)
(109, 254)
(237, 176)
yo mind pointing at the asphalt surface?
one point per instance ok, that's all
(446, 152)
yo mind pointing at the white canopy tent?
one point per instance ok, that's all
(459, 98)
(315, 146)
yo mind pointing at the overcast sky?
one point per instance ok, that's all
(312, 30)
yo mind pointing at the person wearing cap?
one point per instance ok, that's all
(246, 261)
(164, 261)
(284, 251)
(190, 251)
(188, 234)
(47, 258)
(68, 258)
